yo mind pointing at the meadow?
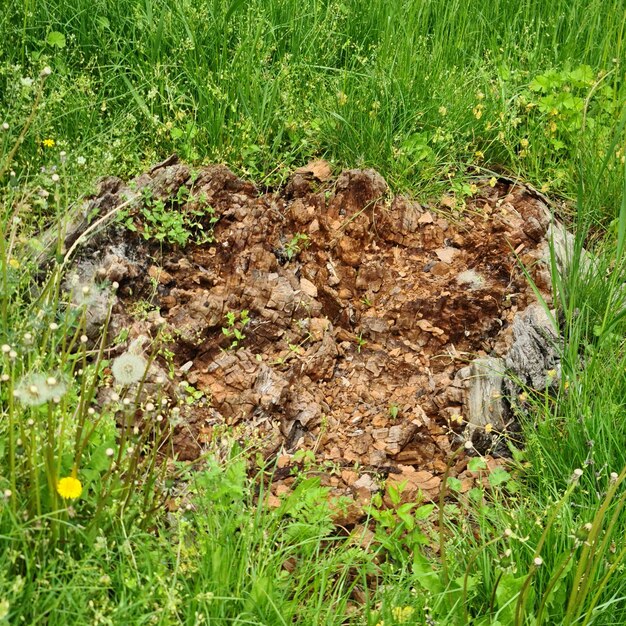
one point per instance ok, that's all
(434, 95)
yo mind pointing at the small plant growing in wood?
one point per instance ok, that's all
(234, 327)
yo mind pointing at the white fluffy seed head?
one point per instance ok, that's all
(54, 326)
(45, 72)
(469, 445)
(538, 561)
(109, 452)
(6, 348)
(5, 126)
(129, 368)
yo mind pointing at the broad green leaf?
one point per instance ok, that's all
(498, 476)
(476, 463)
(56, 39)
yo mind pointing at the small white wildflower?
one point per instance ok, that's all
(136, 430)
(91, 411)
(13, 354)
(614, 476)
(508, 532)
(30, 422)
(28, 339)
(5, 378)
(109, 452)
(5, 126)
(7, 493)
(126, 401)
(55, 178)
(149, 407)
(159, 418)
(81, 160)
(63, 156)
(469, 445)
(129, 368)
(84, 339)
(538, 561)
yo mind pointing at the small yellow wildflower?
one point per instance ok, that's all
(14, 263)
(492, 181)
(488, 428)
(479, 154)
(402, 614)
(48, 143)
(478, 111)
(443, 111)
(553, 126)
(69, 487)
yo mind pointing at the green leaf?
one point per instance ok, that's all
(56, 39)
(424, 511)
(454, 484)
(476, 463)
(498, 476)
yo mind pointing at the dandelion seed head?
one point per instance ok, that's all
(81, 160)
(45, 72)
(5, 378)
(614, 476)
(538, 561)
(91, 411)
(588, 526)
(136, 430)
(5, 126)
(149, 407)
(129, 368)
(109, 452)
(30, 422)
(36, 389)
(126, 401)
(55, 178)
(6, 348)
(469, 445)
(508, 532)
(159, 418)
(28, 339)
(53, 326)
(13, 354)
(7, 493)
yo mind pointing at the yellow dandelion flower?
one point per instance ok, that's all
(69, 487)
(14, 263)
(492, 181)
(48, 143)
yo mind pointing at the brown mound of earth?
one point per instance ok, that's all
(362, 309)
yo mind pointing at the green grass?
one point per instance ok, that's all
(430, 93)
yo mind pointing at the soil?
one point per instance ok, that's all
(363, 307)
